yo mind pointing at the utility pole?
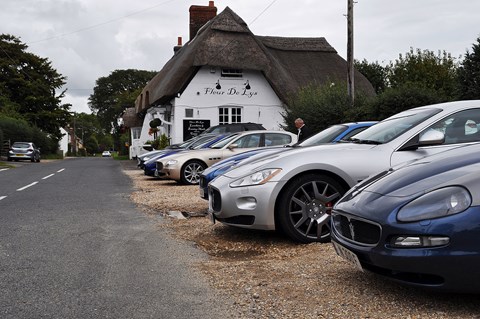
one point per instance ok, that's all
(350, 69)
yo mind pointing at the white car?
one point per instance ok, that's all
(106, 154)
(295, 190)
(186, 167)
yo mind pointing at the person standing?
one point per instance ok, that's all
(303, 131)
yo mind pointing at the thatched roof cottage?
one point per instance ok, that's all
(225, 74)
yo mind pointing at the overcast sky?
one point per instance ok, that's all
(88, 39)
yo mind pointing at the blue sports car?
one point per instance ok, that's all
(332, 134)
(418, 224)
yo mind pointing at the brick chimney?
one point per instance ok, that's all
(199, 15)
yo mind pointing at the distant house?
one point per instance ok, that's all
(226, 74)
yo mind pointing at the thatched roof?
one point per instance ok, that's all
(226, 41)
(130, 118)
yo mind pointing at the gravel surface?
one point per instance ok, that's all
(270, 276)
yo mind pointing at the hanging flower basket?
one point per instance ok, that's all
(152, 130)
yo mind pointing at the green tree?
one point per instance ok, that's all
(427, 70)
(469, 74)
(116, 92)
(375, 73)
(28, 86)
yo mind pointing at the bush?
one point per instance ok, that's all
(322, 106)
(17, 130)
(401, 98)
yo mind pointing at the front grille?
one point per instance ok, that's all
(215, 199)
(357, 230)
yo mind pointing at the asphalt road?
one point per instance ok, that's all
(72, 245)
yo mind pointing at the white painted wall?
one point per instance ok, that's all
(259, 104)
(63, 143)
(136, 149)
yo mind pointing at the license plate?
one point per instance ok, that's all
(348, 255)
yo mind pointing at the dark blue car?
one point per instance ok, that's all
(419, 224)
(149, 166)
(331, 134)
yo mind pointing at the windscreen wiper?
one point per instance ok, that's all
(360, 141)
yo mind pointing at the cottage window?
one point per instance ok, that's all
(136, 132)
(228, 115)
(188, 112)
(232, 73)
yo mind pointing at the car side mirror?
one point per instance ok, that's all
(232, 146)
(431, 137)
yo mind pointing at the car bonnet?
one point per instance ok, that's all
(300, 155)
(459, 166)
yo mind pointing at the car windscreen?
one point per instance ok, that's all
(394, 126)
(224, 141)
(325, 136)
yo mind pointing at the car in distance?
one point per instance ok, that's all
(332, 134)
(24, 151)
(186, 167)
(106, 154)
(418, 225)
(294, 191)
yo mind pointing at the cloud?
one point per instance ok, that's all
(88, 39)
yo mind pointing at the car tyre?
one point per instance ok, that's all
(305, 206)
(191, 171)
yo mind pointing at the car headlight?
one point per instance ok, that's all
(171, 163)
(257, 178)
(438, 203)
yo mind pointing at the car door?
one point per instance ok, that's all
(242, 144)
(460, 128)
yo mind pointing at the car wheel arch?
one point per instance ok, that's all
(192, 160)
(285, 187)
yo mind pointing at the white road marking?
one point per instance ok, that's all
(48, 176)
(3, 169)
(3, 197)
(25, 187)
(61, 170)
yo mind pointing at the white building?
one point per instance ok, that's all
(226, 74)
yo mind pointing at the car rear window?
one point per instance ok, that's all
(21, 145)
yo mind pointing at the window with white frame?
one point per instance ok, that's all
(228, 115)
(136, 132)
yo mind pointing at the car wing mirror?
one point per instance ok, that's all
(431, 137)
(232, 146)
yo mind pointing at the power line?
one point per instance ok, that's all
(258, 16)
(101, 24)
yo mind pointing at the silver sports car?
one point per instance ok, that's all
(294, 191)
(186, 167)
